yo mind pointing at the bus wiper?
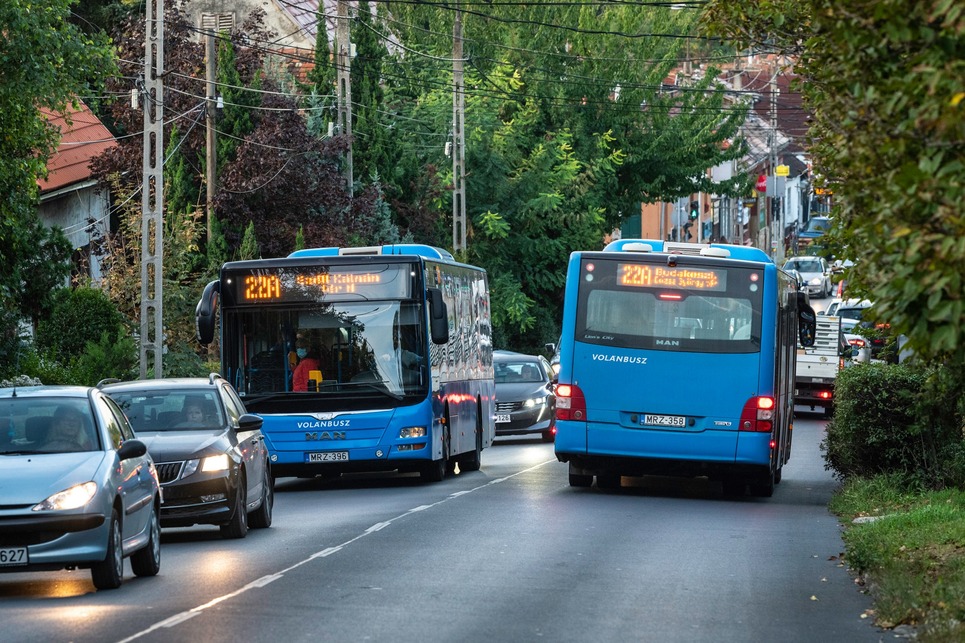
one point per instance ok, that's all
(253, 399)
(376, 387)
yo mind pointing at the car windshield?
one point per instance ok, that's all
(817, 224)
(518, 371)
(850, 313)
(176, 409)
(804, 265)
(46, 425)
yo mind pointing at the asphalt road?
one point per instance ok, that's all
(510, 553)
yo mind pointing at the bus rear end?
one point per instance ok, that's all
(668, 367)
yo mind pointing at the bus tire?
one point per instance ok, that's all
(733, 487)
(608, 481)
(579, 480)
(764, 487)
(778, 475)
(472, 461)
(436, 470)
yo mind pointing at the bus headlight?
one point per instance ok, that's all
(412, 432)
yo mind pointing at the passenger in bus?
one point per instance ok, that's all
(307, 361)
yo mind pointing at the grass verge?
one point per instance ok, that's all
(909, 548)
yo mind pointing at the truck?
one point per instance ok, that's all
(818, 365)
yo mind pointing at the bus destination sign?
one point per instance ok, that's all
(645, 275)
(313, 283)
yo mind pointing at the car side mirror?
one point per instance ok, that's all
(131, 449)
(250, 422)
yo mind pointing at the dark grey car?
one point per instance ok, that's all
(210, 453)
(525, 401)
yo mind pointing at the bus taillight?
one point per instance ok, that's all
(570, 403)
(758, 414)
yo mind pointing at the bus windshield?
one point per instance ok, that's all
(327, 349)
(719, 314)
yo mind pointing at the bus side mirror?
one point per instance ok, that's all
(807, 321)
(206, 312)
(438, 316)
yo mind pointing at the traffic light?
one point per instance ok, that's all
(693, 210)
(687, 235)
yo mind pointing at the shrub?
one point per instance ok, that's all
(78, 316)
(895, 419)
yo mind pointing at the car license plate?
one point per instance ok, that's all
(327, 456)
(13, 556)
(503, 417)
(665, 420)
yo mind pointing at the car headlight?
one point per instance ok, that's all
(534, 401)
(211, 463)
(816, 281)
(215, 463)
(73, 498)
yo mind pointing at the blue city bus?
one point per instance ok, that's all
(395, 348)
(677, 359)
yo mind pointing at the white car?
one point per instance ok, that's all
(815, 273)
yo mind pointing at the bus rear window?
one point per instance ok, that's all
(720, 320)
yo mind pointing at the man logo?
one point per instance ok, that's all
(326, 435)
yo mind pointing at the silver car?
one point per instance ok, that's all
(815, 273)
(77, 489)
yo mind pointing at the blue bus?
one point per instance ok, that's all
(359, 359)
(677, 359)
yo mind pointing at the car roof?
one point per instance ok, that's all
(855, 303)
(163, 383)
(47, 391)
(504, 355)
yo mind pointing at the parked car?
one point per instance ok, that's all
(77, 490)
(815, 228)
(854, 320)
(210, 453)
(815, 272)
(525, 401)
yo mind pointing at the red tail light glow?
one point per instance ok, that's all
(758, 415)
(570, 403)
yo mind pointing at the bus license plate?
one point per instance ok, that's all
(665, 420)
(503, 417)
(13, 556)
(328, 456)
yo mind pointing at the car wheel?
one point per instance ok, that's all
(548, 436)
(261, 517)
(237, 527)
(147, 561)
(108, 573)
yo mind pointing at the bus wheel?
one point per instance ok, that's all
(608, 481)
(764, 488)
(473, 460)
(578, 479)
(733, 487)
(436, 470)
(778, 475)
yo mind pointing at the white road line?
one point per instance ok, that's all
(177, 619)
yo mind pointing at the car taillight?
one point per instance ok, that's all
(824, 395)
(758, 415)
(570, 403)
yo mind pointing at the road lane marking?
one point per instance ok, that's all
(177, 619)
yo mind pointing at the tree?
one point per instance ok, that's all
(883, 80)
(569, 126)
(47, 62)
(370, 156)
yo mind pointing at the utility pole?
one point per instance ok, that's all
(211, 153)
(458, 138)
(152, 191)
(344, 65)
(776, 236)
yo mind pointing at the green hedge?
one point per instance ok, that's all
(897, 419)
